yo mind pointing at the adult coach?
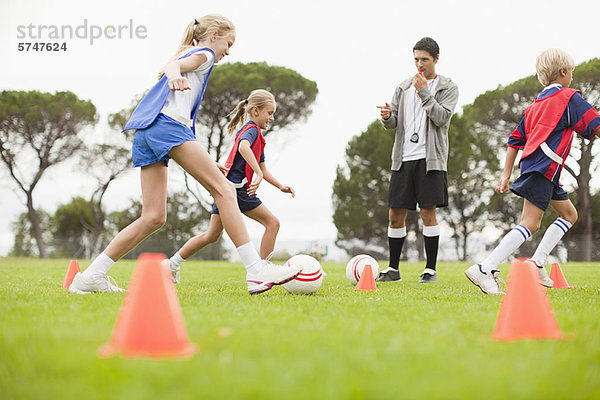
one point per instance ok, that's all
(420, 112)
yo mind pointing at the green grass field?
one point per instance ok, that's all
(404, 341)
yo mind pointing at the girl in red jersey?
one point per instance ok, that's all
(246, 169)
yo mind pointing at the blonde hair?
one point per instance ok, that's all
(258, 98)
(550, 62)
(199, 30)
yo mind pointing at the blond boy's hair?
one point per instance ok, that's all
(550, 62)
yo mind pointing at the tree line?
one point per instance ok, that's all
(477, 140)
(39, 131)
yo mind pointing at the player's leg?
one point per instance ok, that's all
(153, 216)
(261, 276)
(195, 244)
(567, 215)
(485, 274)
(267, 219)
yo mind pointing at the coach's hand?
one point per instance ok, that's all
(385, 111)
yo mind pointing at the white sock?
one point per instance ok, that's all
(552, 236)
(250, 258)
(176, 260)
(98, 267)
(508, 245)
(431, 231)
(397, 232)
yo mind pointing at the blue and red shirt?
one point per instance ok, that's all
(548, 127)
(238, 168)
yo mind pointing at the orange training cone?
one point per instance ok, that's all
(71, 272)
(525, 312)
(557, 276)
(366, 281)
(150, 323)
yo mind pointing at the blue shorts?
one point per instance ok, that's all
(245, 202)
(151, 144)
(536, 188)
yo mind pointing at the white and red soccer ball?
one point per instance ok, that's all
(311, 277)
(357, 264)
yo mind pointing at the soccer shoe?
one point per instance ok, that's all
(544, 278)
(389, 275)
(172, 269)
(487, 282)
(269, 276)
(102, 283)
(428, 276)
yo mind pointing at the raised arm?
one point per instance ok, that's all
(174, 69)
(439, 111)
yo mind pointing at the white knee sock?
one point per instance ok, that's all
(509, 243)
(553, 234)
(250, 258)
(176, 260)
(98, 267)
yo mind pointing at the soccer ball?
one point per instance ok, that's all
(311, 277)
(355, 267)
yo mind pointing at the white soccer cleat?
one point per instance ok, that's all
(487, 282)
(172, 269)
(269, 276)
(544, 278)
(102, 283)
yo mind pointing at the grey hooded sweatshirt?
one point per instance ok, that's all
(439, 107)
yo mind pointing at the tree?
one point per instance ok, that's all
(472, 164)
(183, 219)
(71, 227)
(496, 113)
(39, 130)
(360, 192)
(25, 243)
(231, 83)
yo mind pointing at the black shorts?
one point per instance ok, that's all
(539, 190)
(412, 184)
(245, 202)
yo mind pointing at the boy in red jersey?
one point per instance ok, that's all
(545, 134)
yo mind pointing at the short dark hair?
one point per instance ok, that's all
(429, 45)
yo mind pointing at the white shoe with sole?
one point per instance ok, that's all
(172, 269)
(544, 278)
(487, 282)
(269, 276)
(102, 283)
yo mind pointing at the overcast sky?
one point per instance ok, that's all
(357, 52)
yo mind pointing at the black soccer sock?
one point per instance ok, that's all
(431, 234)
(396, 238)
(395, 251)
(431, 250)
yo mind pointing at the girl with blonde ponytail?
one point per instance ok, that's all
(164, 125)
(245, 169)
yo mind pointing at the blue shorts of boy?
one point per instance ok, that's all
(245, 202)
(151, 144)
(534, 187)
